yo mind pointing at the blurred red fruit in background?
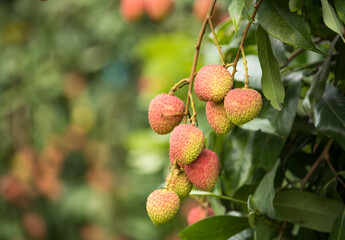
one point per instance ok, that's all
(158, 9)
(132, 10)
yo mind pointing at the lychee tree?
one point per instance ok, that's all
(273, 165)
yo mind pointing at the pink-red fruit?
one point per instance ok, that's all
(201, 7)
(198, 213)
(132, 10)
(204, 171)
(217, 117)
(186, 143)
(158, 9)
(179, 183)
(242, 105)
(165, 113)
(212, 83)
(162, 205)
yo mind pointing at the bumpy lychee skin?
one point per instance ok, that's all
(186, 143)
(162, 205)
(165, 113)
(204, 171)
(242, 105)
(179, 183)
(212, 83)
(217, 117)
(198, 213)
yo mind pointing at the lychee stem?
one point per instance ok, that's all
(246, 83)
(196, 56)
(218, 196)
(171, 173)
(256, 7)
(216, 42)
(179, 85)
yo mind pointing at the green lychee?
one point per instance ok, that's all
(217, 117)
(212, 83)
(165, 113)
(162, 205)
(204, 171)
(242, 105)
(186, 143)
(179, 183)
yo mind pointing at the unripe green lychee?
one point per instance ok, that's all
(242, 105)
(212, 83)
(204, 171)
(198, 213)
(217, 117)
(179, 183)
(186, 143)
(162, 205)
(165, 113)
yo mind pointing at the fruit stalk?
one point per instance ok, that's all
(246, 83)
(195, 59)
(256, 7)
(215, 41)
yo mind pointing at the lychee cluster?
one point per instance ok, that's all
(225, 107)
(191, 164)
(133, 10)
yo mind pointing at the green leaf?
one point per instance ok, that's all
(272, 85)
(331, 19)
(329, 115)
(318, 83)
(215, 228)
(340, 8)
(307, 210)
(338, 230)
(285, 25)
(235, 10)
(224, 32)
(264, 194)
(264, 231)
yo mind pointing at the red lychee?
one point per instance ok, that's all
(198, 213)
(165, 113)
(158, 9)
(201, 7)
(212, 83)
(217, 117)
(204, 171)
(186, 143)
(242, 105)
(162, 205)
(132, 10)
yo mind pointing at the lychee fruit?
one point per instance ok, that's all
(179, 183)
(165, 113)
(162, 205)
(198, 213)
(217, 117)
(242, 105)
(132, 10)
(212, 83)
(158, 9)
(204, 171)
(186, 143)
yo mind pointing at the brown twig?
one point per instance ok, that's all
(196, 56)
(316, 164)
(333, 170)
(178, 85)
(215, 41)
(245, 32)
(282, 230)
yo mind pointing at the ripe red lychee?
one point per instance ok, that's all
(186, 143)
(212, 83)
(179, 183)
(162, 205)
(217, 117)
(132, 10)
(242, 105)
(165, 113)
(201, 7)
(204, 171)
(198, 213)
(158, 9)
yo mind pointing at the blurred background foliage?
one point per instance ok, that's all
(77, 159)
